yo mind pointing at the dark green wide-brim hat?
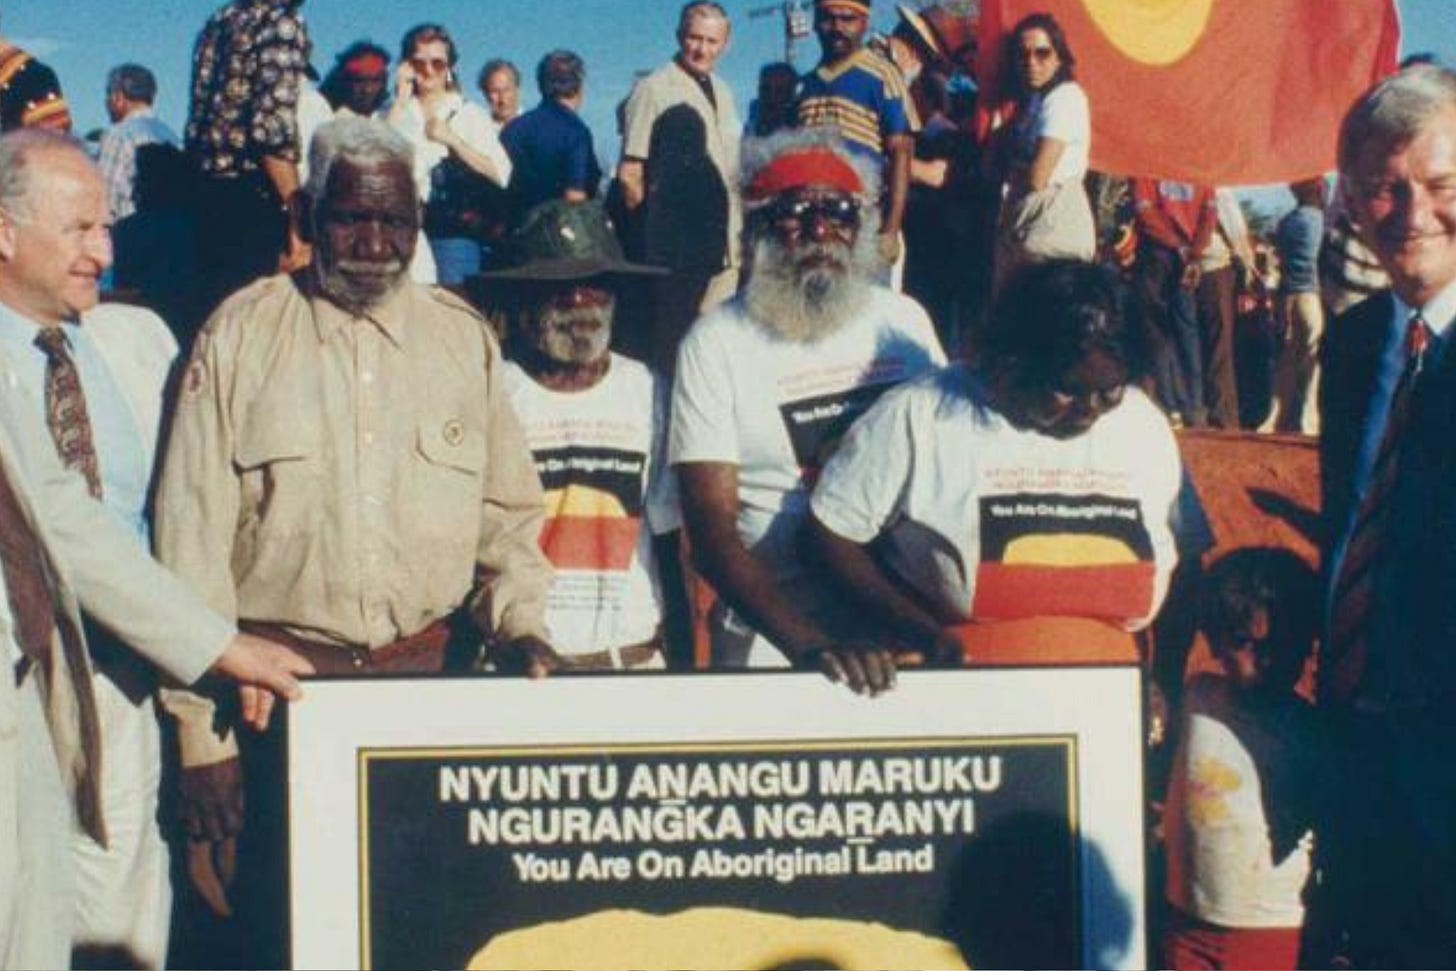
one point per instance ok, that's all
(560, 240)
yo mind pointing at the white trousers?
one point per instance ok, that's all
(123, 892)
(35, 870)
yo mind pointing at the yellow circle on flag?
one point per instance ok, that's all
(1151, 31)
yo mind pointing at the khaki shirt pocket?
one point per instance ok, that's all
(281, 463)
(452, 444)
(445, 517)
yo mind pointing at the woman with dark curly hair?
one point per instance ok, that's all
(1032, 485)
(1045, 145)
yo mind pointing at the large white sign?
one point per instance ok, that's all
(965, 819)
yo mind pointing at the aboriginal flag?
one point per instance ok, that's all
(1063, 556)
(1213, 92)
(593, 506)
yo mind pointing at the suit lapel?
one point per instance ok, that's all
(67, 695)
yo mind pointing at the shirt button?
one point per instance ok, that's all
(367, 377)
(368, 438)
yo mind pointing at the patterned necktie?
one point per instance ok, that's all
(32, 605)
(66, 414)
(1348, 646)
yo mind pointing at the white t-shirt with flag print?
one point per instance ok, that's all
(992, 522)
(777, 408)
(599, 454)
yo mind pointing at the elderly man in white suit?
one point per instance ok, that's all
(120, 357)
(60, 355)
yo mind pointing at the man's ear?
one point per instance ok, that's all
(300, 214)
(7, 236)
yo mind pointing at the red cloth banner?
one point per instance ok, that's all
(1214, 92)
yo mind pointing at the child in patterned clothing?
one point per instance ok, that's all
(1242, 792)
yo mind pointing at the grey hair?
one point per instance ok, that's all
(1394, 111)
(706, 9)
(18, 165)
(359, 141)
(135, 83)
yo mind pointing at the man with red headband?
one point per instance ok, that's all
(767, 384)
(861, 95)
(359, 81)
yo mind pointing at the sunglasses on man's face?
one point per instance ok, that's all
(840, 211)
(427, 64)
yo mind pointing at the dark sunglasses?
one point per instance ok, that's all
(795, 213)
(429, 63)
(1037, 53)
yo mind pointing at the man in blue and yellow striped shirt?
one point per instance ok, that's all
(863, 96)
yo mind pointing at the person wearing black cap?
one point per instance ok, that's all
(596, 423)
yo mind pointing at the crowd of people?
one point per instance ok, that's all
(389, 380)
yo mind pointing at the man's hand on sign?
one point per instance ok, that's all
(942, 651)
(528, 655)
(866, 669)
(211, 806)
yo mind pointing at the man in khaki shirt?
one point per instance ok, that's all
(345, 473)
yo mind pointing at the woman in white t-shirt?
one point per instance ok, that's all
(1045, 212)
(1018, 506)
(457, 149)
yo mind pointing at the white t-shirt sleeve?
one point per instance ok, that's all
(862, 488)
(704, 421)
(1167, 465)
(1065, 115)
(664, 513)
(928, 335)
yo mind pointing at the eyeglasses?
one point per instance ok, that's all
(841, 211)
(426, 64)
(1037, 53)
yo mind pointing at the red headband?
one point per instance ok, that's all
(858, 6)
(366, 65)
(807, 166)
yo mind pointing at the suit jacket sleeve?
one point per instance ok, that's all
(114, 580)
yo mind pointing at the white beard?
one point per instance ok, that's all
(805, 304)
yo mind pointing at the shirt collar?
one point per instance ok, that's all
(17, 328)
(1437, 313)
(391, 316)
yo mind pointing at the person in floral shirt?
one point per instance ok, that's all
(242, 132)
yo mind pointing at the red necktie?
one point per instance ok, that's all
(66, 414)
(1348, 648)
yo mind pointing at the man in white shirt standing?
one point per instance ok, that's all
(596, 423)
(766, 386)
(130, 91)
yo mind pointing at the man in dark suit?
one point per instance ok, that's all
(1388, 460)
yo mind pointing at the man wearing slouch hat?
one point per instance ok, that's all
(596, 422)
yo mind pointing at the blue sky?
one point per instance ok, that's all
(81, 39)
